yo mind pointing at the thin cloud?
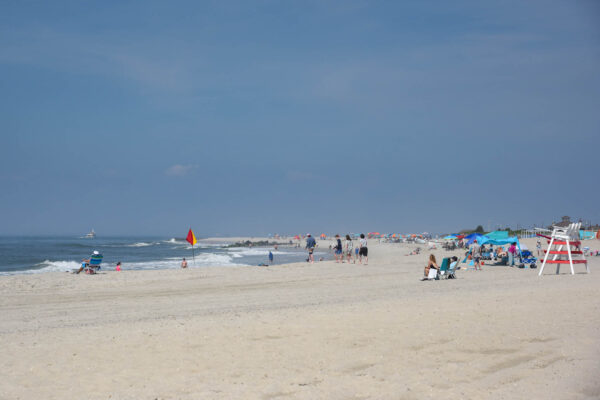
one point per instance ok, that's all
(179, 169)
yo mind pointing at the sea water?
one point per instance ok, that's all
(45, 254)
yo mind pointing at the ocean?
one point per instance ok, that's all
(27, 255)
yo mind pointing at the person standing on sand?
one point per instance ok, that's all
(538, 246)
(183, 263)
(339, 256)
(118, 267)
(364, 250)
(310, 245)
(270, 257)
(349, 249)
(512, 253)
(476, 254)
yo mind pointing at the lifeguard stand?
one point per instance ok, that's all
(564, 245)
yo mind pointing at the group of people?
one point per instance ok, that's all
(432, 264)
(92, 265)
(347, 249)
(478, 253)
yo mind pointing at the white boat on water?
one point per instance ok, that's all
(90, 235)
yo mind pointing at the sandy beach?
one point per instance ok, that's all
(301, 331)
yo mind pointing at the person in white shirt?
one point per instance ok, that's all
(364, 251)
(349, 249)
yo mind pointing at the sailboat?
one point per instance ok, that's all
(90, 235)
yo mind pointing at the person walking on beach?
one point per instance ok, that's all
(183, 263)
(339, 256)
(476, 254)
(310, 245)
(538, 246)
(118, 267)
(349, 249)
(364, 250)
(270, 257)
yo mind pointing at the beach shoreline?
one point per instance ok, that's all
(302, 331)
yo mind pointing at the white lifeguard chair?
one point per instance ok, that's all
(564, 245)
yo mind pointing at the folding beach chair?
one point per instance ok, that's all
(527, 257)
(94, 265)
(452, 270)
(443, 272)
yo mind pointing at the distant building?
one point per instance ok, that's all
(566, 221)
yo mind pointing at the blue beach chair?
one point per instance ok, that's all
(94, 264)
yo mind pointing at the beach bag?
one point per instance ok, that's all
(432, 273)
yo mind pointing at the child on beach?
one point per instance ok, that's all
(118, 267)
(184, 263)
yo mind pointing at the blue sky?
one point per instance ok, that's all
(240, 117)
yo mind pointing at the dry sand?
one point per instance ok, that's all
(300, 331)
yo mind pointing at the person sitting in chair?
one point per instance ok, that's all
(85, 263)
(453, 267)
(431, 264)
(503, 260)
(501, 253)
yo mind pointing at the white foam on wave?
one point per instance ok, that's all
(175, 241)
(183, 244)
(140, 244)
(238, 252)
(48, 266)
(200, 260)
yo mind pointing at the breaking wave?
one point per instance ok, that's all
(140, 244)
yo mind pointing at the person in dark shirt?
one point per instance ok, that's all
(338, 249)
(310, 245)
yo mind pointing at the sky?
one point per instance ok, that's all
(254, 117)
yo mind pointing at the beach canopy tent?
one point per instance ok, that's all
(497, 235)
(500, 242)
(474, 236)
(453, 236)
